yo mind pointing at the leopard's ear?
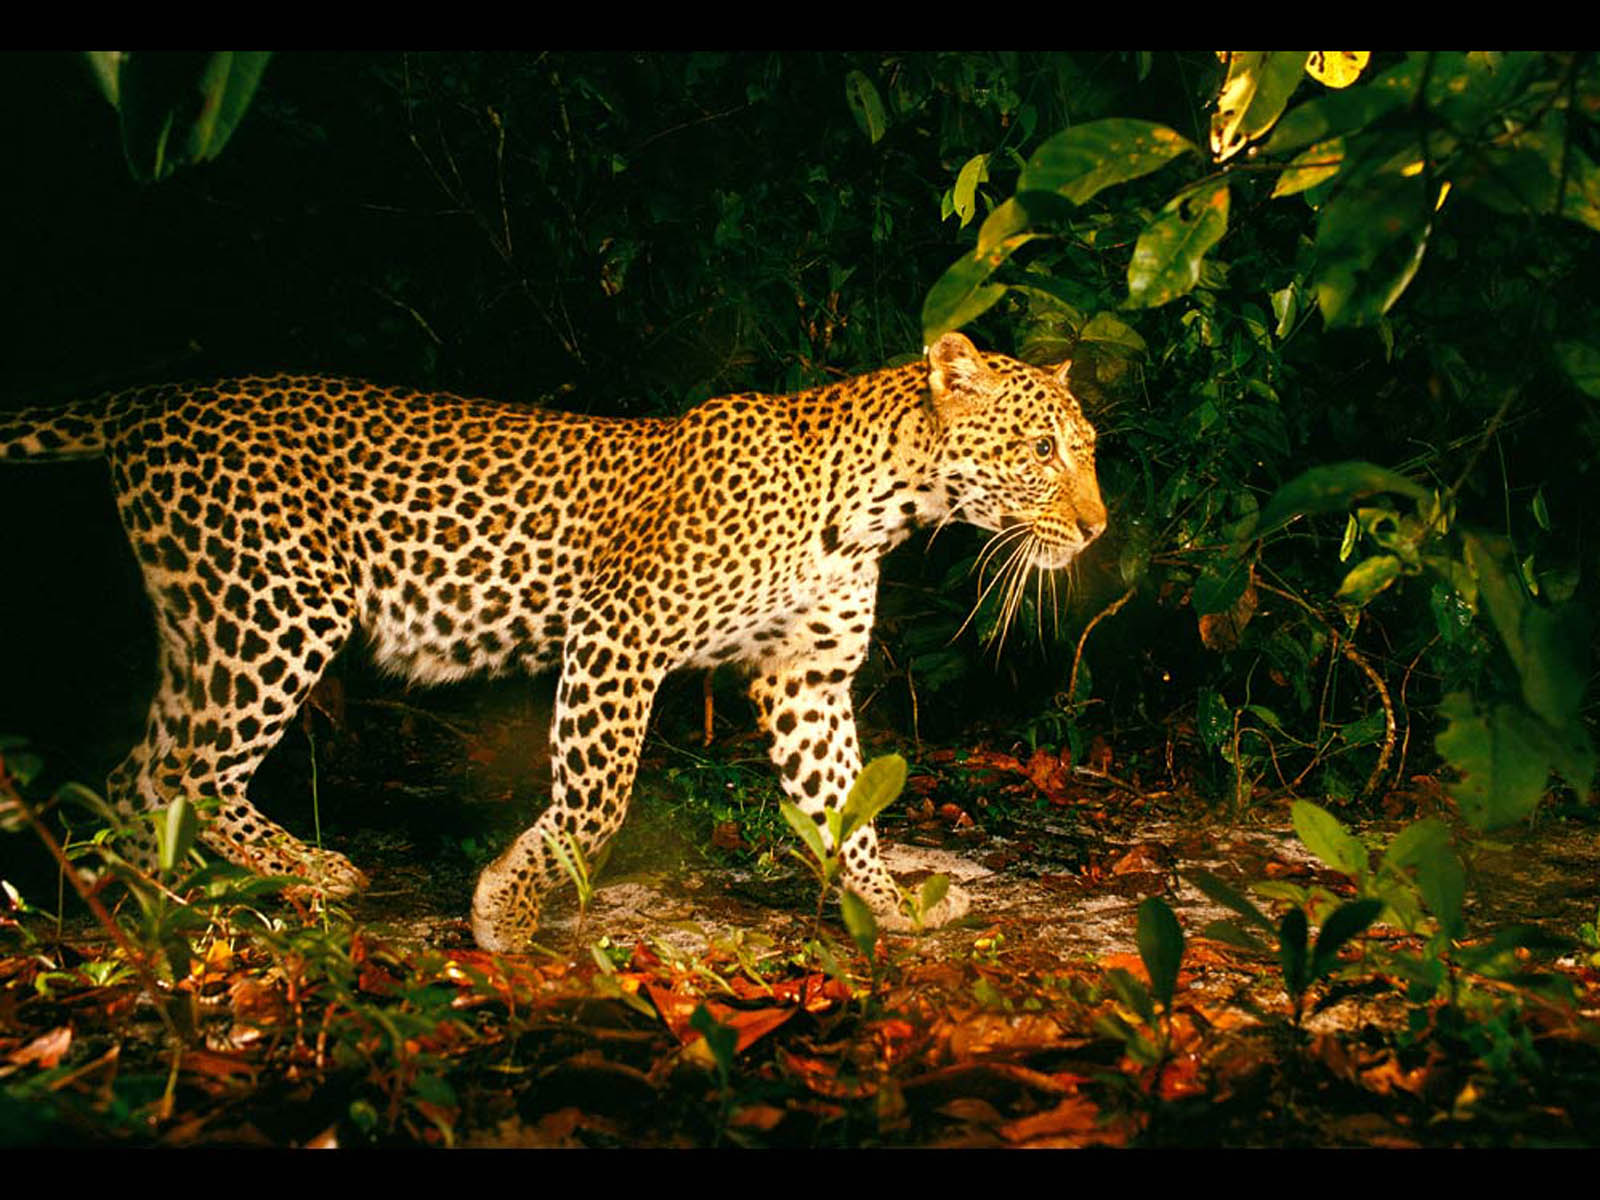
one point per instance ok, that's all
(1063, 372)
(958, 379)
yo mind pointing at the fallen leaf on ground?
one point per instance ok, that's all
(45, 1051)
(1074, 1118)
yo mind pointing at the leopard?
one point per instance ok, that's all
(275, 517)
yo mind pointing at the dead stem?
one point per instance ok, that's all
(1109, 610)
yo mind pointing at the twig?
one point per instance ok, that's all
(415, 315)
(707, 734)
(1405, 742)
(1077, 657)
(464, 734)
(671, 129)
(1119, 783)
(1345, 646)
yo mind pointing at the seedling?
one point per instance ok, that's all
(878, 786)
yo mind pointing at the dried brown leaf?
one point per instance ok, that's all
(44, 1051)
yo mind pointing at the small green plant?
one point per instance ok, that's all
(1302, 961)
(1589, 935)
(567, 851)
(879, 785)
(1160, 941)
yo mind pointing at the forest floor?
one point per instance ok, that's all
(699, 999)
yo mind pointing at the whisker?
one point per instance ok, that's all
(984, 593)
(1055, 607)
(949, 516)
(1038, 602)
(994, 544)
(1017, 569)
(977, 604)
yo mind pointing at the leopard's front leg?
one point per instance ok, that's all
(803, 702)
(602, 707)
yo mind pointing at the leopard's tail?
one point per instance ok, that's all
(71, 431)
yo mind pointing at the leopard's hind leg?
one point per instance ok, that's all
(236, 663)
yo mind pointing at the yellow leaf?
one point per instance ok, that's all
(1337, 68)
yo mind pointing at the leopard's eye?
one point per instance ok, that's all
(1045, 448)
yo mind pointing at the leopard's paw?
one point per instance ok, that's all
(897, 919)
(505, 906)
(952, 907)
(326, 874)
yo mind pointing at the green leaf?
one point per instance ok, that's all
(1468, 87)
(106, 65)
(964, 199)
(1344, 112)
(879, 785)
(963, 293)
(1131, 994)
(1107, 329)
(830, 963)
(1315, 165)
(1167, 256)
(178, 828)
(1347, 544)
(1139, 1048)
(866, 106)
(1541, 511)
(722, 1040)
(934, 889)
(1332, 488)
(1566, 749)
(1367, 578)
(1230, 934)
(1344, 923)
(1160, 940)
(1502, 776)
(179, 108)
(1581, 199)
(1292, 951)
(1581, 362)
(1285, 307)
(1266, 716)
(1519, 175)
(229, 84)
(1215, 889)
(1213, 718)
(1222, 581)
(859, 921)
(1328, 839)
(1549, 646)
(1258, 86)
(1364, 732)
(1370, 240)
(1426, 847)
(1084, 160)
(805, 829)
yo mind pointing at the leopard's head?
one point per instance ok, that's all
(1015, 454)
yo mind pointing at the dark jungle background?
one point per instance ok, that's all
(632, 233)
(1334, 315)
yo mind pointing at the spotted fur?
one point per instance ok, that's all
(274, 517)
